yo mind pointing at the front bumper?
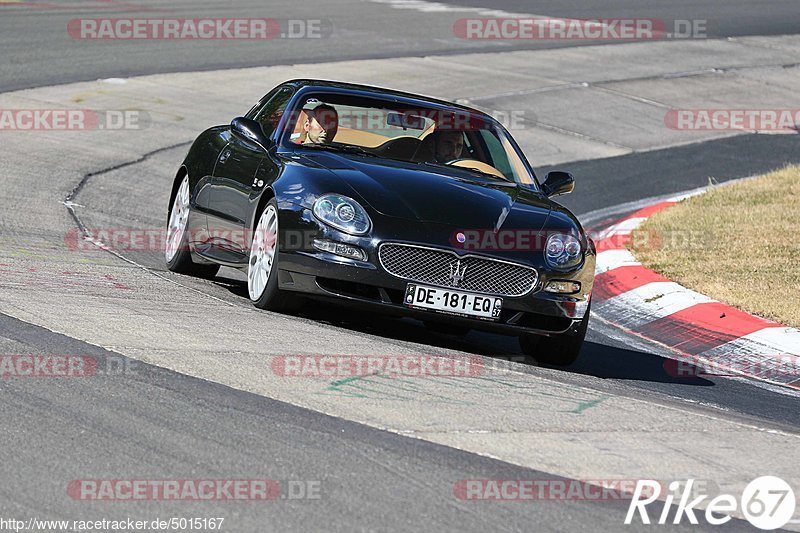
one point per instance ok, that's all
(367, 285)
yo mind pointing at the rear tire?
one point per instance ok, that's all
(176, 250)
(560, 350)
(262, 267)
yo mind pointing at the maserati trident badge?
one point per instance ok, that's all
(457, 273)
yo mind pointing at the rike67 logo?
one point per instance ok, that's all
(768, 502)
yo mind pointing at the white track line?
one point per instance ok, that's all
(645, 304)
(612, 259)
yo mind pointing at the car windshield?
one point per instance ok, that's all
(430, 136)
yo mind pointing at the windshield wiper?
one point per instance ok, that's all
(346, 148)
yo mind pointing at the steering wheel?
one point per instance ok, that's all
(476, 165)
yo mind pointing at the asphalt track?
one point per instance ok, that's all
(38, 51)
(724, 19)
(368, 479)
(168, 424)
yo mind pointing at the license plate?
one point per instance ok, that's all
(453, 302)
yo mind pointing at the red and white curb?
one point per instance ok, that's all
(707, 336)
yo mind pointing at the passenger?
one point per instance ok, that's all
(441, 147)
(449, 145)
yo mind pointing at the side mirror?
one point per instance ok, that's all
(250, 130)
(558, 182)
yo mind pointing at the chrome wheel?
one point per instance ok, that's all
(178, 219)
(262, 252)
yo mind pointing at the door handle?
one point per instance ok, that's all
(225, 155)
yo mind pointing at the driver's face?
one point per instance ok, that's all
(449, 146)
(322, 127)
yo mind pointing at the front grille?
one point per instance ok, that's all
(441, 267)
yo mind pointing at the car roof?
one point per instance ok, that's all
(369, 90)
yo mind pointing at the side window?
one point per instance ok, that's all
(271, 112)
(497, 154)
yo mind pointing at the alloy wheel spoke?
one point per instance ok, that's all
(176, 227)
(262, 252)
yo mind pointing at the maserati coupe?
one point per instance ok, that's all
(389, 201)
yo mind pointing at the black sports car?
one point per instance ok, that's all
(378, 198)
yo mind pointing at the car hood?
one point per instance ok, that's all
(441, 196)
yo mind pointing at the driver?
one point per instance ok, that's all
(321, 124)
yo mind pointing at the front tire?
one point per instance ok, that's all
(262, 267)
(560, 350)
(176, 250)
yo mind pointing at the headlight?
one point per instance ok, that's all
(342, 213)
(562, 251)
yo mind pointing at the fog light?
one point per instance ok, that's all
(575, 309)
(339, 248)
(563, 287)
